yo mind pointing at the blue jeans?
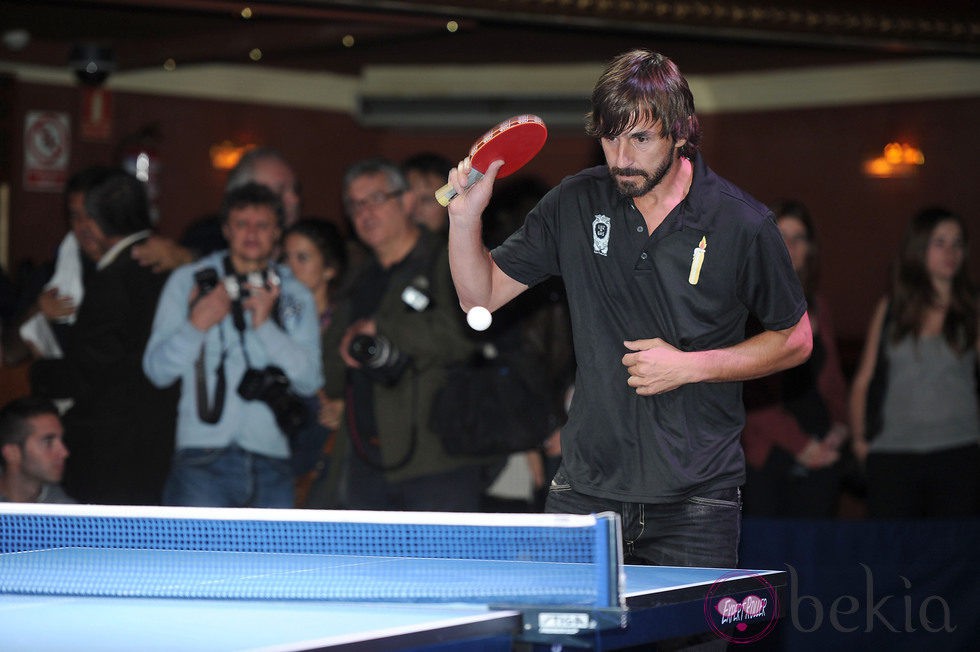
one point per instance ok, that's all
(228, 477)
(701, 531)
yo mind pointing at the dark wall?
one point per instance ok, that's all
(814, 155)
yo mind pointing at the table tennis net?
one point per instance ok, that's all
(293, 554)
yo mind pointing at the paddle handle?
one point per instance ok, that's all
(445, 194)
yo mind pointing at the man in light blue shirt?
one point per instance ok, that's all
(241, 334)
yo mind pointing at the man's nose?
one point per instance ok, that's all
(618, 154)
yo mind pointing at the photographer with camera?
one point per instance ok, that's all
(393, 336)
(240, 333)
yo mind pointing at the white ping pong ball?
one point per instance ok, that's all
(478, 318)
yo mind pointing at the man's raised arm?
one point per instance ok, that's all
(478, 280)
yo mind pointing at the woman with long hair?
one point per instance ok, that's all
(796, 420)
(316, 254)
(922, 454)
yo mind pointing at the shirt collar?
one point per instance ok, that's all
(111, 255)
(695, 210)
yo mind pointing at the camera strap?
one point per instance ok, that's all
(206, 411)
(361, 447)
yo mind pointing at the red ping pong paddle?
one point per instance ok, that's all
(514, 141)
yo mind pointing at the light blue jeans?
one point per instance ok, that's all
(228, 477)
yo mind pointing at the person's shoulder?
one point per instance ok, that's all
(593, 183)
(183, 276)
(290, 287)
(727, 196)
(749, 207)
(54, 494)
(214, 260)
(287, 280)
(589, 177)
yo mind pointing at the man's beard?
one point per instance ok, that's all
(649, 181)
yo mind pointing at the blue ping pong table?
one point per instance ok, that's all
(77, 580)
(662, 603)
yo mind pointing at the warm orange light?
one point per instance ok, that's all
(913, 156)
(878, 167)
(897, 160)
(226, 154)
(893, 153)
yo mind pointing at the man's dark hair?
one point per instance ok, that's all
(86, 178)
(639, 85)
(252, 194)
(14, 428)
(118, 203)
(428, 163)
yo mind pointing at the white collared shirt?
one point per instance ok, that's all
(111, 255)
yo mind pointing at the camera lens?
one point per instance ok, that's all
(370, 351)
(378, 357)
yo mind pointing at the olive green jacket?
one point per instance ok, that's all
(434, 338)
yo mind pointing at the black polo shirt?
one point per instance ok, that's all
(624, 283)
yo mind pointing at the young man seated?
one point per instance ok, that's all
(32, 452)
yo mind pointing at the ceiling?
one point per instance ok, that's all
(343, 36)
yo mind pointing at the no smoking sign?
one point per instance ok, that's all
(47, 149)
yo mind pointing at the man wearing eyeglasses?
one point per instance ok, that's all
(387, 352)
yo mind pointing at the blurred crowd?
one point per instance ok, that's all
(277, 359)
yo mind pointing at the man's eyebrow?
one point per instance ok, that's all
(640, 132)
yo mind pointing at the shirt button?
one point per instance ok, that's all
(639, 229)
(643, 256)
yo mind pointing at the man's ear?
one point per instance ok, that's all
(12, 454)
(409, 200)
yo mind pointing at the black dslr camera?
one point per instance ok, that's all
(271, 386)
(379, 358)
(206, 280)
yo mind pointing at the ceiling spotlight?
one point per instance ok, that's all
(92, 63)
(16, 39)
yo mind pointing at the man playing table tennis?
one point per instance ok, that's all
(663, 261)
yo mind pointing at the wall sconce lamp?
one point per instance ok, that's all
(896, 160)
(226, 154)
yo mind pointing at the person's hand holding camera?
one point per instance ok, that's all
(359, 327)
(209, 308)
(260, 301)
